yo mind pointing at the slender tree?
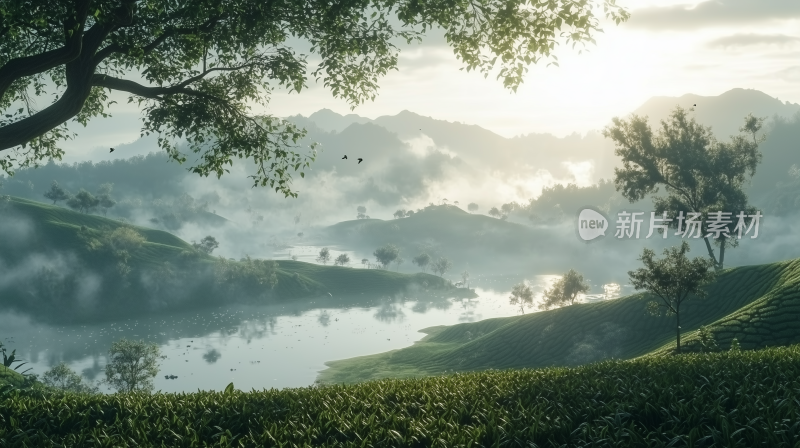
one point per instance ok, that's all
(132, 365)
(441, 266)
(522, 295)
(56, 193)
(324, 256)
(341, 260)
(672, 280)
(422, 261)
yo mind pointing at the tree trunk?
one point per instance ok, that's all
(678, 329)
(722, 252)
(717, 266)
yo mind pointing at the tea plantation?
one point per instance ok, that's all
(758, 305)
(730, 399)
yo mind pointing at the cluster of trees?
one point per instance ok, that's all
(439, 266)
(247, 276)
(504, 210)
(325, 256)
(563, 292)
(83, 201)
(403, 213)
(362, 212)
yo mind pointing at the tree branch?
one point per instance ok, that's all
(147, 49)
(18, 68)
(156, 93)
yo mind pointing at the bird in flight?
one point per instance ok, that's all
(695, 105)
(112, 150)
(345, 157)
(360, 160)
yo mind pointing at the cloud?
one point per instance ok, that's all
(713, 13)
(746, 40)
(791, 74)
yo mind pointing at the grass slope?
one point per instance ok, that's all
(759, 305)
(732, 399)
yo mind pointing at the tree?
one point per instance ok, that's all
(324, 256)
(465, 278)
(364, 261)
(399, 214)
(386, 254)
(495, 212)
(132, 365)
(441, 266)
(201, 66)
(698, 173)
(341, 260)
(63, 378)
(672, 279)
(472, 207)
(104, 197)
(83, 202)
(206, 245)
(409, 213)
(522, 295)
(565, 290)
(398, 261)
(509, 207)
(56, 193)
(362, 212)
(422, 261)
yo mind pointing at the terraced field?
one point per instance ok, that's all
(759, 305)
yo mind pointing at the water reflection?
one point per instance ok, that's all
(212, 356)
(276, 345)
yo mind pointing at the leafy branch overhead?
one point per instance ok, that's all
(198, 68)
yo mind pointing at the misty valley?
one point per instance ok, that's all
(432, 271)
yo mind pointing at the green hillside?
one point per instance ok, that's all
(449, 227)
(164, 272)
(759, 305)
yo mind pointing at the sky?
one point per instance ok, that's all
(667, 48)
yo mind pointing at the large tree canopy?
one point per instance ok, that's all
(196, 67)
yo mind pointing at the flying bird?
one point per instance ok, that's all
(695, 105)
(345, 157)
(360, 160)
(112, 150)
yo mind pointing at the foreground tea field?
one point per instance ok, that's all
(730, 399)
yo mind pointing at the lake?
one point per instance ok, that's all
(268, 346)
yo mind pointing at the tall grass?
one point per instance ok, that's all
(745, 399)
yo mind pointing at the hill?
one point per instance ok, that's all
(758, 305)
(724, 113)
(64, 265)
(448, 229)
